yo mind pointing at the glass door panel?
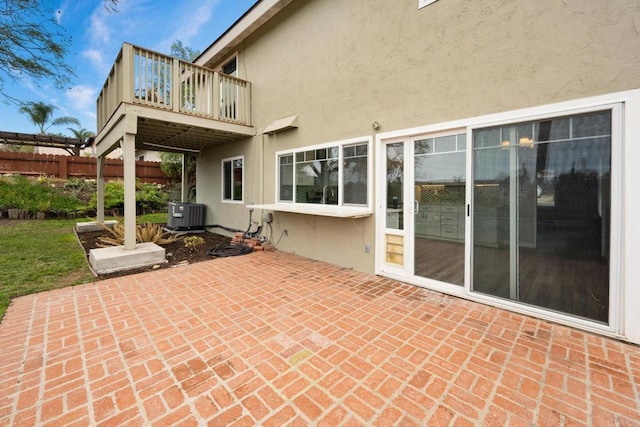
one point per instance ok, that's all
(439, 208)
(395, 186)
(541, 195)
(491, 220)
(395, 246)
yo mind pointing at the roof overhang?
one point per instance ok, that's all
(227, 43)
(290, 122)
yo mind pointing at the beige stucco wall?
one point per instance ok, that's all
(341, 65)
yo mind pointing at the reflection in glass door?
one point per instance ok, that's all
(439, 208)
(541, 217)
(394, 210)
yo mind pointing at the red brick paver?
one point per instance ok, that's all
(274, 339)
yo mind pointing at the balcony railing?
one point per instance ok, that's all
(144, 77)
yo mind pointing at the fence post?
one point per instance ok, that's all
(63, 167)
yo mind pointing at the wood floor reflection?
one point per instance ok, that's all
(577, 284)
(440, 260)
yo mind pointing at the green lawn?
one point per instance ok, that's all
(38, 256)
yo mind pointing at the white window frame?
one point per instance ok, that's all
(340, 144)
(624, 317)
(340, 210)
(231, 160)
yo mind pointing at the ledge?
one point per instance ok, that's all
(117, 258)
(319, 210)
(84, 227)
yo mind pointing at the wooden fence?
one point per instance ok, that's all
(65, 167)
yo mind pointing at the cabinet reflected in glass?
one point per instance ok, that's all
(439, 217)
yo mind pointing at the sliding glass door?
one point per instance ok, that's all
(439, 207)
(541, 213)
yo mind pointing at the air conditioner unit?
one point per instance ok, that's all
(186, 217)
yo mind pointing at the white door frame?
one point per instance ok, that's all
(624, 318)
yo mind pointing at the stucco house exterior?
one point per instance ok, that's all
(484, 149)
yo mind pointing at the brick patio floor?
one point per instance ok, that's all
(274, 339)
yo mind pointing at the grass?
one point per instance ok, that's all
(38, 256)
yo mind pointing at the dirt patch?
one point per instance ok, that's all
(177, 253)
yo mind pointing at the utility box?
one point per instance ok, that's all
(186, 217)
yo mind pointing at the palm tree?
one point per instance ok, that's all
(82, 134)
(40, 115)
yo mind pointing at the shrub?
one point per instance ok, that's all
(148, 196)
(193, 242)
(144, 233)
(151, 196)
(33, 196)
(82, 189)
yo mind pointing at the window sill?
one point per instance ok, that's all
(319, 210)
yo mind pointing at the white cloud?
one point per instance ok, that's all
(192, 25)
(80, 102)
(188, 26)
(82, 97)
(98, 28)
(96, 58)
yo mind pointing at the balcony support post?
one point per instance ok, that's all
(100, 190)
(129, 163)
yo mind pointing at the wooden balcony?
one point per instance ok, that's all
(175, 104)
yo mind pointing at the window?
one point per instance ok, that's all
(231, 67)
(233, 180)
(354, 173)
(334, 174)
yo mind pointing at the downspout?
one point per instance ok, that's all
(261, 171)
(184, 184)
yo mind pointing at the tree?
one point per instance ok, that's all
(82, 134)
(33, 45)
(171, 166)
(40, 115)
(185, 53)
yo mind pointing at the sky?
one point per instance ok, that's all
(97, 37)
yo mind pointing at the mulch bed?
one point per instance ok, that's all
(176, 252)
